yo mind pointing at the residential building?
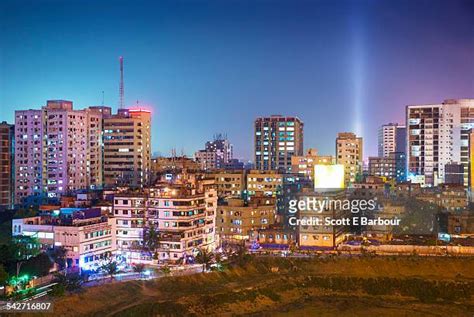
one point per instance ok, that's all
(183, 216)
(391, 138)
(405, 190)
(29, 154)
(87, 236)
(391, 167)
(277, 139)
(57, 150)
(321, 236)
(454, 174)
(185, 219)
(349, 153)
(438, 134)
(266, 182)
(234, 164)
(457, 223)
(304, 165)
(7, 168)
(230, 183)
(238, 217)
(217, 153)
(275, 237)
(127, 148)
(369, 188)
(449, 197)
(129, 215)
(173, 163)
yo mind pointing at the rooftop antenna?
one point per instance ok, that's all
(121, 90)
(103, 98)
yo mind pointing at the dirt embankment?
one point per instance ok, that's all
(378, 286)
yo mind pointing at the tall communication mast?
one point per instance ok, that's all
(121, 91)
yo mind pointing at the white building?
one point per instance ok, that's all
(184, 218)
(88, 237)
(438, 134)
(130, 212)
(391, 138)
(58, 149)
(29, 158)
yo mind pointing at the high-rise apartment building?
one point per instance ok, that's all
(217, 153)
(7, 137)
(391, 138)
(57, 150)
(277, 139)
(29, 154)
(127, 148)
(349, 153)
(438, 134)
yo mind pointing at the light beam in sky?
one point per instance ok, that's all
(358, 75)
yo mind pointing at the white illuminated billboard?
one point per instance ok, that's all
(329, 176)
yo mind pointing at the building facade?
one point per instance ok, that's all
(230, 183)
(7, 168)
(391, 138)
(217, 153)
(127, 148)
(320, 236)
(438, 134)
(58, 150)
(390, 167)
(184, 219)
(267, 183)
(237, 217)
(349, 153)
(87, 236)
(304, 165)
(277, 139)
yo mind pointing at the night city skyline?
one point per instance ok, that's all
(237, 157)
(206, 67)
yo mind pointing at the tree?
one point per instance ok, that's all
(205, 258)
(71, 283)
(151, 239)
(110, 268)
(240, 255)
(58, 256)
(219, 261)
(25, 213)
(24, 247)
(165, 270)
(218, 258)
(39, 265)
